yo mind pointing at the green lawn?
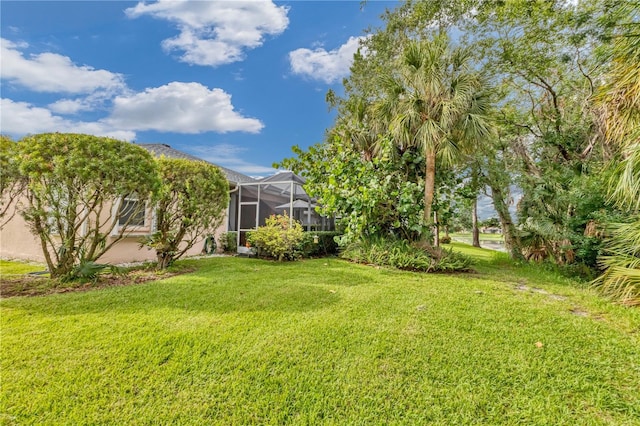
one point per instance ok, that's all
(9, 269)
(245, 341)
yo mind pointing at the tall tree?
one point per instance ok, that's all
(620, 107)
(357, 127)
(433, 99)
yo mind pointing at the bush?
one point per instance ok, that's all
(445, 240)
(229, 242)
(72, 183)
(190, 203)
(88, 270)
(279, 239)
(402, 254)
(325, 246)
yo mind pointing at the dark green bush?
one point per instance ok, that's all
(229, 242)
(445, 240)
(402, 254)
(326, 245)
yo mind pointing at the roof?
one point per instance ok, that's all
(286, 176)
(160, 149)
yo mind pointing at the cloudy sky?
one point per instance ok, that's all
(234, 82)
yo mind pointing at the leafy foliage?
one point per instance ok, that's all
(72, 182)
(620, 107)
(433, 99)
(380, 197)
(621, 279)
(445, 240)
(229, 242)
(280, 238)
(320, 243)
(189, 205)
(88, 270)
(401, 254)
(511, 114)
(11, 183)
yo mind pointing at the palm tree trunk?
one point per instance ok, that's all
(429, 185)
(436, 237)
(474, 223)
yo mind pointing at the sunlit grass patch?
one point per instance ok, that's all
(10, 268)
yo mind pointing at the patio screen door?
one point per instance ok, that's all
(248, 212)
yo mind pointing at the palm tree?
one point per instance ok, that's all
(357, 126)
(434, 100)
(620, 102)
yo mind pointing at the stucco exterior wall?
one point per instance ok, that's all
(17, 242)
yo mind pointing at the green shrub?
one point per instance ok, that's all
(326, 244)
(88, 270)
(229, 242)
(402, 254)
(445, 240)
(279, 238)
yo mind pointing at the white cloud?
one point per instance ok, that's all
(215, 32)
(230, 156)
(182, 108)
(320, 64)
(50, 72)
(69, 106)
(21, 118)
(91, 102)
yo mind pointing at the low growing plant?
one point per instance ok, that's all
(280, 238)
(402, 254)
(88, 270)
(445, 240)
(320, 243)
(228, 242)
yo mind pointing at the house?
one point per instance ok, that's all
(16, 242)
(276, 194)
(251, 202)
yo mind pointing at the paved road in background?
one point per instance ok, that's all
(491, 245)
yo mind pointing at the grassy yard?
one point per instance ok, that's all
(245, 341)
(9, 269)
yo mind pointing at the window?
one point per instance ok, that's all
(132, 212)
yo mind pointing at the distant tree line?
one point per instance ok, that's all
(451, 100)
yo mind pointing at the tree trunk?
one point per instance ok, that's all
(429, 186)
(164, 260)
(474, 223)
(436, 238)
(511, 240)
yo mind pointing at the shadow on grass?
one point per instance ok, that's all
(219, 286)
(170, 296)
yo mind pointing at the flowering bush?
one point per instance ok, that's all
(280, 238)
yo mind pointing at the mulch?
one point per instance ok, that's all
(33, 285)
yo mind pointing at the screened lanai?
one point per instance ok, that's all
(277, 194)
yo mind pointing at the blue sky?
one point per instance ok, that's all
(236, 83)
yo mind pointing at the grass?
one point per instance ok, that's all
(10, 269)
(245, 341)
